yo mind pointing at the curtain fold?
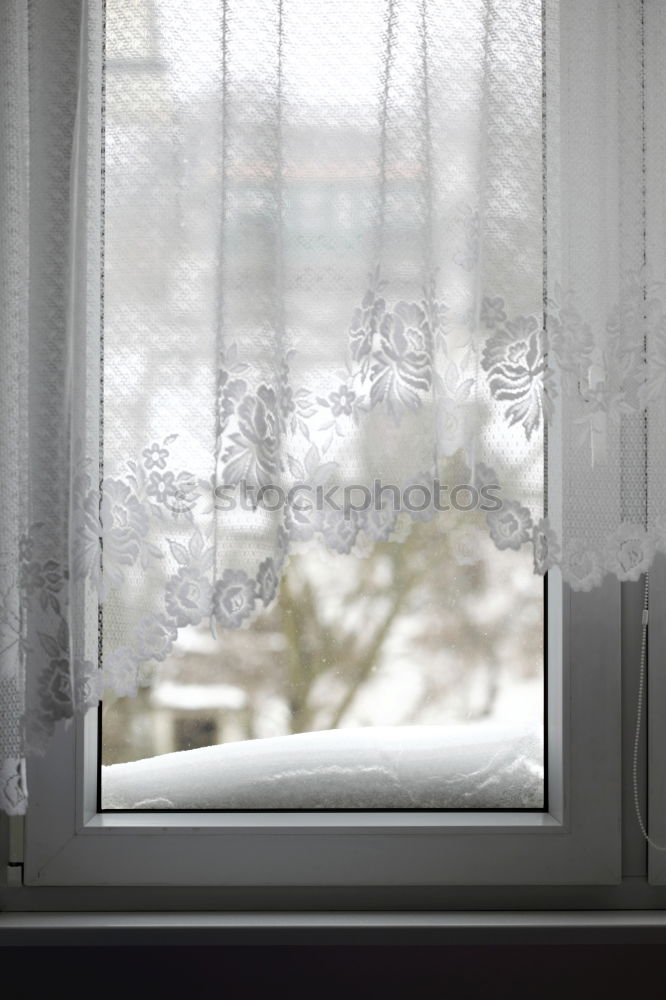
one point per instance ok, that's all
(14, 239)
(278, 252)
(49, 371)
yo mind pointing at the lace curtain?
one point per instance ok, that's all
(288, 274)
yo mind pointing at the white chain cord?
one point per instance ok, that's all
(639, 719)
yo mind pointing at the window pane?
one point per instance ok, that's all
(431, 672)
(402, 665)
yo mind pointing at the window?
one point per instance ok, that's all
(571, 829)
(160, 225)
(407, 622)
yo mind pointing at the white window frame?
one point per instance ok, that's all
(576, 841)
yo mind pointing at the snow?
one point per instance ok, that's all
(473, 765)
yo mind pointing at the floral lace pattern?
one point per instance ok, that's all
(393, 351)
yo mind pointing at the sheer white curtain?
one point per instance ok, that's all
(415, 246)
(50, 126)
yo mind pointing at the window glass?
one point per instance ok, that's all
(405, 671)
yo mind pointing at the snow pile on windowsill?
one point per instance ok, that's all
(468, 766)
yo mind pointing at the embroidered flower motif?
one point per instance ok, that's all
(86, 536)
(54, 575)
(186, 494)
(188, 596)
(32, 578)
(162, 486)
(12, 785)
(418, 497)
(121, 524)
(510, 526)
(546, 549)
(340, 532)
(230, 391)
(234, 598)
(302, 519)
(120, 672)
(581, 566)
(629, 551)
(403, 363)
(55, 688)
(124, 519)
(155, 456)
(379, 524)
(44, 580)
(365, 322)
(154, 637)
(253, 454)
(87, 684)
(569, 339)
(286, 401)
(514, 361)
(342, 401)
(267, 581)
(482, 475)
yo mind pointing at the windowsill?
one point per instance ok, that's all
(121, 928)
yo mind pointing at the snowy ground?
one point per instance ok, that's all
(473, 765)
